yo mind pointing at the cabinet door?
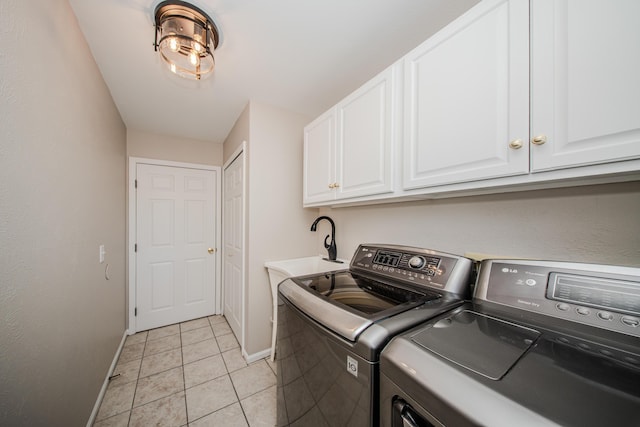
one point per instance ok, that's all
(467, 98)
(365, 138)
(319, 165)
(585, 82)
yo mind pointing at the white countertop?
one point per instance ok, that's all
(303, 266)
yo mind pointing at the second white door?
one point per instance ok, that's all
(233, 269)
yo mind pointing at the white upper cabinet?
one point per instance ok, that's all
(585, 89)
(319, 165)
(348, 151)
(514, 94)
(365, 135)
(466, 113)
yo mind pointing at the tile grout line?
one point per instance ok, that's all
(244, 414)
(183, 372)
(217, 410)
(184, 380)
(135, 391)
(144, 358)
(146, 341)
(228, 374)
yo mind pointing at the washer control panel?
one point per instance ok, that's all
(599, 295)
(423, 267)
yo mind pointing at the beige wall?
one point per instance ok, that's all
(176, 149)
(277, 225)
(238, 134)
(62, 186)
(586, 224)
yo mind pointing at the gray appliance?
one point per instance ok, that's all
(332, 327)
(541, 343)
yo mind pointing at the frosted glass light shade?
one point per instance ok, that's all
(185, 39)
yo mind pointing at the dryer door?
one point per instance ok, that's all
(480, 343)
(405, 416)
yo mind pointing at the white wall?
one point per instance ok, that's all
(277, 225)
(598, 224)
(177, 149)
(62, 187)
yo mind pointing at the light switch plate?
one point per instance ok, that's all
(102, 252)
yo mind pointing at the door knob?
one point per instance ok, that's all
(211, 250)
(515, 144)
(539, 140)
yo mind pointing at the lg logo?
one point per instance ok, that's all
(352, 366)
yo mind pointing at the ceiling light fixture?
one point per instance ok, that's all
(185, 38)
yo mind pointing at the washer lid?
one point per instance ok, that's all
(482, 344)
(348, 303)
(341, 321)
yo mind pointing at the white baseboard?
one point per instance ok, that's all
(103, 390)
(256, 356)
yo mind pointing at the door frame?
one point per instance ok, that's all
(132, 232)
(242, 149)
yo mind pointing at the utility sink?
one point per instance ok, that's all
(303, 266)
(280, 270)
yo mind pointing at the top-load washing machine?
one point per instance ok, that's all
(332, 327)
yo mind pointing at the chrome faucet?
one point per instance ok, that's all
(331, 246)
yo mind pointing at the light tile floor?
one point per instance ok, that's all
(188, 374)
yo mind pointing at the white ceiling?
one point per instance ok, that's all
(302, 55)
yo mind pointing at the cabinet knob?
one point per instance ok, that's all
(331, 186)
(515, 144)
(336, 185)
(539, 140)
(211, 250)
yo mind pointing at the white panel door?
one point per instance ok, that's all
(233, 256)
(467, 98)
(365, 140)
(175, 262)
(585, 82)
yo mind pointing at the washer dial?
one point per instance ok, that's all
(417, 262)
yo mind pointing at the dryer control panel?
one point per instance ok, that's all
(599, 295)
(416, 266)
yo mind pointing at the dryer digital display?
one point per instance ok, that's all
(608, 294)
